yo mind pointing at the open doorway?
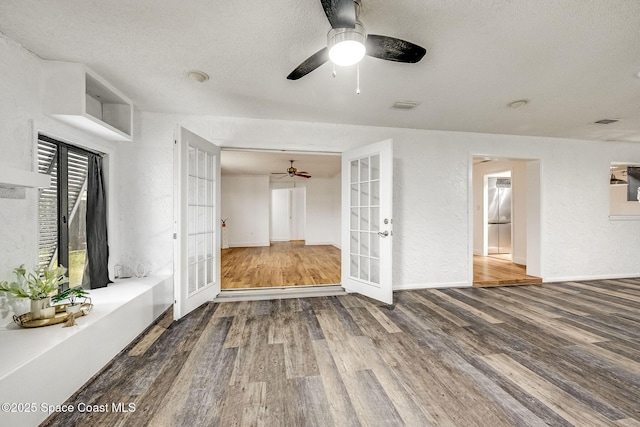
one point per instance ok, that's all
(505, 221)
(282, 227)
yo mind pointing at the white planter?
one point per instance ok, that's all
(48, 313)
(72, 309)
(37, 305)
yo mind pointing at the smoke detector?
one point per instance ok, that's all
(197, 75)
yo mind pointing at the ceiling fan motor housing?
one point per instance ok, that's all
(349, 35)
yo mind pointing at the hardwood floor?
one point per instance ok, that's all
(557, 354)
(281, 264)
(498, 270)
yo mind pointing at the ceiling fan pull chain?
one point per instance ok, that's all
(334, 69)
(358, 79)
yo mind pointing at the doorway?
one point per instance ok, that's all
(283, 229)
(505, 235)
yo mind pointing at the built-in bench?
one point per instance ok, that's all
(45, 366)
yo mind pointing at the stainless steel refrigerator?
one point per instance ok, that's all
(499, 210)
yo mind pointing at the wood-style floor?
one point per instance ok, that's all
(565, 354)
(281, 264)
(498, 270)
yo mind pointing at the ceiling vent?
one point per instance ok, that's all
(607, 121)
(405, 105)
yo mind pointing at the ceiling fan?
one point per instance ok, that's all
(348, 41)
(292, 172)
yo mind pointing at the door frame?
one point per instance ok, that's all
(534, 213)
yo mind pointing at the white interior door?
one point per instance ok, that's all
(197, 222)
(367, 183)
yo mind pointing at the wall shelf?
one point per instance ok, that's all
(76, 95)
(10, 177)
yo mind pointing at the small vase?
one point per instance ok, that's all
(37, 305)
(73, 309)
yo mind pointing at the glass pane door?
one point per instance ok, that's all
(201, 218)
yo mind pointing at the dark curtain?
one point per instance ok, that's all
(97, 245)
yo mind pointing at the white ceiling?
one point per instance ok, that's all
(252, 162)
(574, 60)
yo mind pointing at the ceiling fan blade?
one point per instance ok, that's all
(340, 13)
(279, 173)
(302, 175)
(392, 49)
(310, 64)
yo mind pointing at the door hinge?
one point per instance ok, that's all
(175, 236)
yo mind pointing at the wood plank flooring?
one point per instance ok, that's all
(281, 264)
(555, 354)
(498, 270)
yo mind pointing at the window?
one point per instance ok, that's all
(62, 208)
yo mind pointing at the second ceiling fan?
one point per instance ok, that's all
(348, 41)
(292, 172)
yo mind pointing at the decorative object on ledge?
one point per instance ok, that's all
(37, 286)
(27, 321)
(72, 295)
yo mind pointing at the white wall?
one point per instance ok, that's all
(432, 223)
(245, 204)
(322, 213)
(280, 212)
(21, 119)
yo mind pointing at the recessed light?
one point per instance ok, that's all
(607, 121)
(517, 104)
(405, 105)
(197, 75)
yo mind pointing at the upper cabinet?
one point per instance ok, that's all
(76, 95)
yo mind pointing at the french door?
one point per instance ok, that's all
(367, 235)
(196, 222)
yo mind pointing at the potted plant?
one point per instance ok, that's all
(37, 286)
(72, 295)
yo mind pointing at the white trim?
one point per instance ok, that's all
(518, 260)
(588, 278)
(624, 217)
(60, 132)
(248, 244)
(416, 286)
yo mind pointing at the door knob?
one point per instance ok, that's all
(384, 233)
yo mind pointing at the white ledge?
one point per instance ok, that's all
(10, 177)
(624, 217)
(48, 364)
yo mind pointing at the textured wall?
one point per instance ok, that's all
(245, 203)
(19, 104)
(432, 169)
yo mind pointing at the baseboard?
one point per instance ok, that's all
(319, 243)
(248, 244)
(415, 286)
(518, 260)
(478, 252)
(587, 278)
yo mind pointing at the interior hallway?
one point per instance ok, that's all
(498, 270)
(281, 264)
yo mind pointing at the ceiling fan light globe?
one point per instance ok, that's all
(347, 53)
(346, 45)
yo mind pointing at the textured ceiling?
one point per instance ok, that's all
(574, 60)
